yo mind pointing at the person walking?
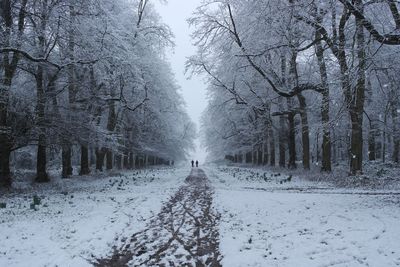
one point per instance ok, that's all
(197, 163)
(192, 163)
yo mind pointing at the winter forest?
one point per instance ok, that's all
(84, 83)
(106, 161)
(314, 81)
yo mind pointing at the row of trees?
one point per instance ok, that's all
(318, 78)
(87, 76)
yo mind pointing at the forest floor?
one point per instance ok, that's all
(229, 216)
(274, 219)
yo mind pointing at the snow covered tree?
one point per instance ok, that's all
(303, 55)
(101, 87)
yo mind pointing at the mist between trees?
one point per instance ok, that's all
(84, 83)
(300, 79)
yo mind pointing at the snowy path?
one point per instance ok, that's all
(233, 217)
(184, 233)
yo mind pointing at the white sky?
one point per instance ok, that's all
(175, 13)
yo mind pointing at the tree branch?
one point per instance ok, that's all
(41, 59)
(388, 39)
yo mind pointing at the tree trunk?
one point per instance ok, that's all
(126, 160)
(259, 156)
(372, 141)
(357, 106)
(292, 142)
(335, 148)
(326, 135)
(354, 100)
(85, 170)
(294, 81)
(396, 150)
(385, 128)
(5, 131)
(305, 135)
(5, 86)
(41, 174)
(9, 63)
(371, 146)
(118, 161)
(282, 128)
(396, 133)
(92, 156)
(317, 158)
(356, 144)
(41, 161)
(112, 122)
(109, 159)
(271, 147)
(282, 141)
(384, 145)
(67, 147)
(131, 161)
(66, 161)
(265, 152)
(5, 173)
(100, 154)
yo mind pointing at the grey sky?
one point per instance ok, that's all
(175, 13)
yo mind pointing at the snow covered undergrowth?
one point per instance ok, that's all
(376, 175)
(267, 220)
(80, 219)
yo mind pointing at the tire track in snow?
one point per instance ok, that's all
(184, 233)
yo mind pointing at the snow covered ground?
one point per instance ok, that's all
(79, 220)
(268, 221)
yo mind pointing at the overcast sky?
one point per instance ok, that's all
(175, 14)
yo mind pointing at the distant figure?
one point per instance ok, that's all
(197, 163)
(192, 163)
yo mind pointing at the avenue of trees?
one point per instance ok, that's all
(84, 85)
(310, 81)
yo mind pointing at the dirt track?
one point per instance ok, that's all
(184, 233)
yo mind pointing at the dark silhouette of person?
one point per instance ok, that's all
(197, 163)
(192, 163)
